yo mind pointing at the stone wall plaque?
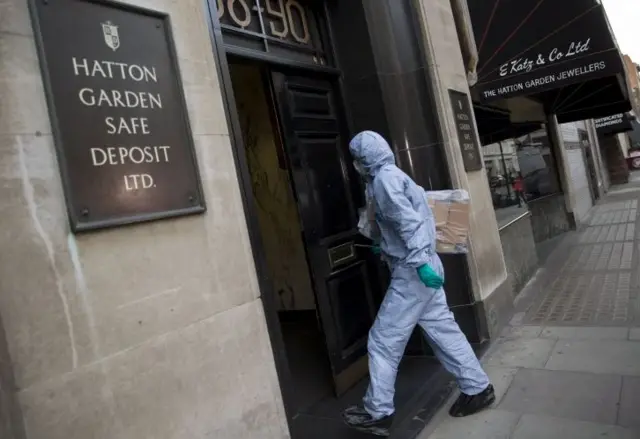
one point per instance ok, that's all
(118, 113)
(466, 128)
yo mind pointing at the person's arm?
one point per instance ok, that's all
(396, 209)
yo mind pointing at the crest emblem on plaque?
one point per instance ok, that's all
(111, 36)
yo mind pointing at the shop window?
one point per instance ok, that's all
(520, 170)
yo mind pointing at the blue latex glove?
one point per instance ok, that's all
(430, 278)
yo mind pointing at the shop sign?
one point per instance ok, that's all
(603, 122)
(614, 124)
(466, 128)
(118, 113)
(550, 49)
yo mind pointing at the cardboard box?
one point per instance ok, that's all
(451, 212)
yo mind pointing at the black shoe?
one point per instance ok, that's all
(358, 418)
(467, 405)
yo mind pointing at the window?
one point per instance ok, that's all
(520, 170)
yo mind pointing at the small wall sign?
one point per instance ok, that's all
(466, 128)
(118, 113)
(614, 124)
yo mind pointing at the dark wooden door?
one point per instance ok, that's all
(328, 195)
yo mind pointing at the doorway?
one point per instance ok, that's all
(281, 235)
(325, 288)
(304, 196)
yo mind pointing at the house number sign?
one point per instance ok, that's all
(286, 29)
(287, 18)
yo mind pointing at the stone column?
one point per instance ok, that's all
(445, 70)
(562, 165)
(594, 147)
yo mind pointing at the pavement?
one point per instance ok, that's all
(568, 364)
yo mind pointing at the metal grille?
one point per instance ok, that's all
(583, 299)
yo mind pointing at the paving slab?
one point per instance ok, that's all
(607, 357)
(574, 395)
(525, 352)
(545, 427)
(629, 415)
(501, 378)
(517, 318)
(634, 334)
(521, 332)
(490, 424)
(575, 333)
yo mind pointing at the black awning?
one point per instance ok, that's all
(615, 124)
(588, 100)
(494, 125)
(559, 52)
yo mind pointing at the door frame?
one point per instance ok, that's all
(352, 364)
(270, 305)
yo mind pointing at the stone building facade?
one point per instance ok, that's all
(181, 327)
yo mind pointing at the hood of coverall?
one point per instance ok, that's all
(371, 151)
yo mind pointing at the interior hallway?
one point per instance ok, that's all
(568, 366)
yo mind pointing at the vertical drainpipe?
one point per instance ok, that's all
(468, 46)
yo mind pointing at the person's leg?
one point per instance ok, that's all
(402, 307)
(457, 356)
